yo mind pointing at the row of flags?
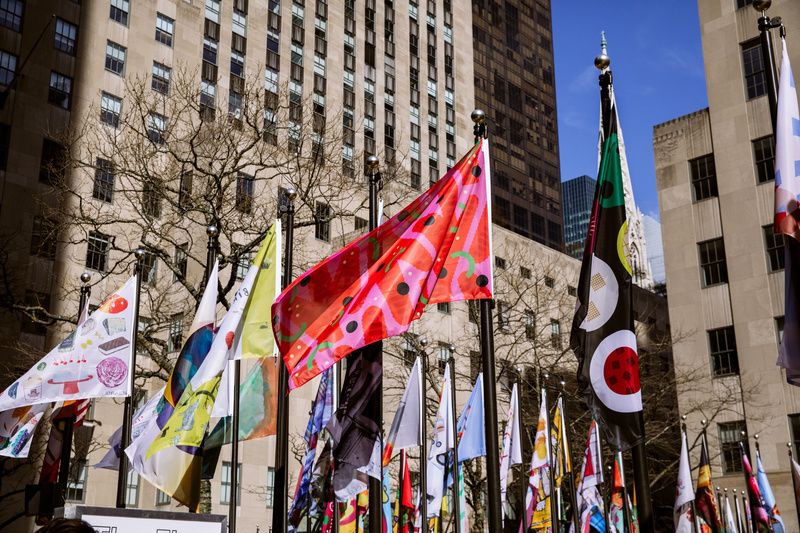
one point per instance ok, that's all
(702, 510)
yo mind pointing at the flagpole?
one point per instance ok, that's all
(69, 423)
(127, 414)
(753, 522)
(376, 485)
(454, 427)
(794, 486)
(523, 474)
(554, 512)
(489, 380)
(684, 435)
(626, 515)
(720, 510)
(279, 511)
(747, 510)
(568, 457)
(423, 435)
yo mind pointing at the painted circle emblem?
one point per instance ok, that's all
(614, 372)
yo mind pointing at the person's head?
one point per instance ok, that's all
(67, 525)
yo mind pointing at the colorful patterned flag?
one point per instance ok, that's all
(441, 443)
(603, 336)
(730, 521)
(182, 436)
(73, 413)
(141, 419)
(787, 198)
(796, 482)
(470, 428)
(589, 498)
(437, 249)
(562, 462)
(684, 496)
(616, 512)
(321, 411)
(538, 512)
(760, 516)
(512, 449)
(405, 430)
(17, 427)
(704, 501)
(404, 505)
(93, 362)
(386, 502)
(770, 505)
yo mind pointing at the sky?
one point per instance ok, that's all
(657, 61)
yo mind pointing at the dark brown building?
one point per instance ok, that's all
(515, 85)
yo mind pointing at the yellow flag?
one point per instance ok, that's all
(257, 339)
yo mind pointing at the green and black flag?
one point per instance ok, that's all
(603, 336)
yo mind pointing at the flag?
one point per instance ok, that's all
(405, 430)
(258, 405)
(796, 482)
(437, 249)
(512, 450)
(768, 498)
(538, 513)
(758, 512)
(181, 437)
(192, 355)
(589, 498)
(561, 459)
(616, 513)
(704, 501)
(603, 337)
(327, 519)
(72, 412)
(354, 428)
(17, 427)
(730, 522)
(684, 496)
(386, 503)
(92, 362)
(404, 505)
(321, 411)
(787, 196)
(257, 338)
(348, 515)
(442, 441)
(141, 419)
(470, 428)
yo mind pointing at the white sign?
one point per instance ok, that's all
(112, 520)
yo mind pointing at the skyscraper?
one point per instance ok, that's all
(515, 85)
(578, 195)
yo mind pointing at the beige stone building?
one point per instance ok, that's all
(724, 267)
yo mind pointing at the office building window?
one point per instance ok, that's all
(76, 486)
(730, 435)
(162, 498)
(210, 48)
(704, 177)
(103, 180)
(444, 353)
(243, 264)
(443, 307)
(503, 310)
(239, 23)
(779, 330)
(525, 273)
(11, 14)
(212, 10)
(115, 57)
(175, 336)
(713, 267)
(269, 494)
(151, 200)
(8, 66)
(110, 109)
(549, 282)
(132, 489)
(245, 190)
(43, 238)
(51, 166)
(60, 90)
(529, 322)
(119, 11)
(764, 158)
(161, 76)
(149, 267)
(555, 334)
(773, 243)
(499, 262)
(743, 3)
(409, 350)
(66, 36)
(225, 484)
(181, 261)
(156, 127)
(722, 348)
(165, 28)
(755, 79)
(97, 248)
(185, 190)
(322, 222)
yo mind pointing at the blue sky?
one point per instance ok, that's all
(657, 62)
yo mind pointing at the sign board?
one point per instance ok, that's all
(113, 520)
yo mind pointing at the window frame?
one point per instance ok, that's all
(65, 36)
(108, 115)
(755, 81)
(119, 11)
(57, 94)
(774, 244)
(98, 246)
(161, 76)
(225, 485)
(104, 180)
(12, 18)
(116, 57)
(729, 450)
(764, 166)
(708, 278)
(165, 29)
(704, 185)
(724, 360)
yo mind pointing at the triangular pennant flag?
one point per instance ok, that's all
(405, 430)
(441, 443)
(684, 495)
(512, 449)
(471, 433)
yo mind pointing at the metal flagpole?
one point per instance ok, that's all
(279, 511)
(489, 381)
(554, 511)
(746, 481)
(454, 422)
(524, 474)
(423, 435)
(376, 485)
(719, 504)
(568, 459)
(127, 415)
(69, 424)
